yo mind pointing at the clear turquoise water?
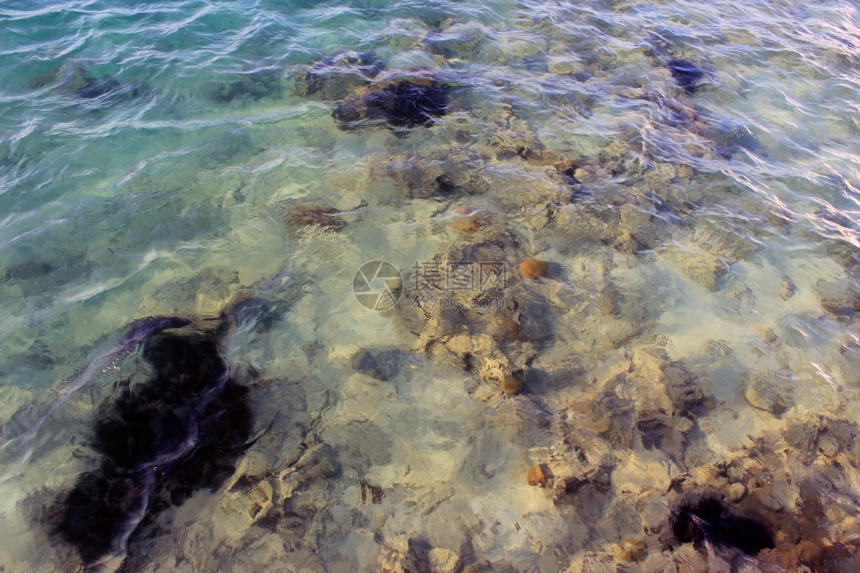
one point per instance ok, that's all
(160, 198)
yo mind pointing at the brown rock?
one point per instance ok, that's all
(766, 334)
(538, 475)
(533, 268)
(769, 393)
(512, 385)
(786, 288)
(302, 214)
(467, 220)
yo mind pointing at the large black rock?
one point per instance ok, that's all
(709, 519)
(400, 104)
(160, 441)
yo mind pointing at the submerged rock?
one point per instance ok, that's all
(339, 75)
(97, 88)
(441, 171)
(468, 220)
(382, 364)
(74, 80)
(686, 74)
(303, 214)
(533, 268)
(470, 310)
(402, 103)
(770, 393)
(512, 384)
(253, 86)
(698, 520)
(160, 441)
(457, 40)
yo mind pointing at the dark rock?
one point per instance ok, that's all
(657, 432)
(711, 520)
(381, 364)
(254, 313)
(98, 88)
(302, 214)
(160, 441)
(404, 103)
(686, 74)
(683, 390)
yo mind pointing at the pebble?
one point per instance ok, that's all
(440, 560)
(533, 268)
(512, 385)
(766, 334)
(737, 491)
(538, 475)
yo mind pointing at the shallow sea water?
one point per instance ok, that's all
(694, 333)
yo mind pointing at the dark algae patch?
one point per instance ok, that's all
(160, 441)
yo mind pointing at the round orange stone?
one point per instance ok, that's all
(533, 268)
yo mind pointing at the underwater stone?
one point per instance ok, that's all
(404, 103)
(160, 441)
(468, 220)
(457, 40)
(254, 86)
(539, 475)
(686, 74)
(302, 214)
(710, 520)
(98, 88)
(447, 170)
(533, 268)
(380, 364)
(683, 389)
(511, 385)
(338, 75)
(766, 392)
(786, 288)
(441, 560)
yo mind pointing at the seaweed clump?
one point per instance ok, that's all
(160, 441)
(401, 104)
